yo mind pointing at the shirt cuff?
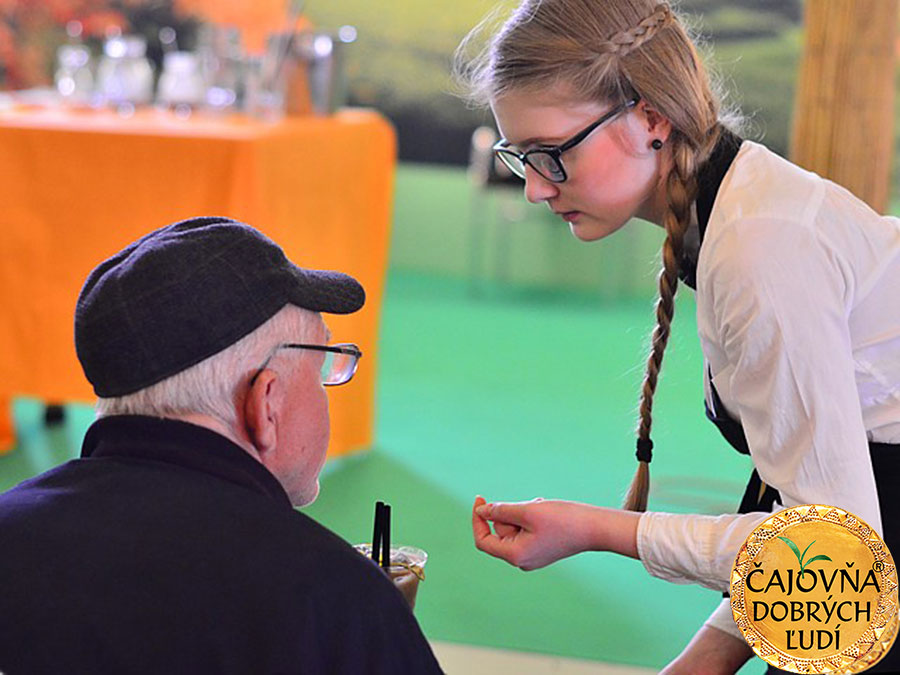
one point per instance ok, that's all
(723, 619)
(693, 549)
(669, 552)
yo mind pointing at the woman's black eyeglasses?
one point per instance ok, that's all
(546, 160)
(338, 367)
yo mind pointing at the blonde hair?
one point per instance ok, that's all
(212, 387)
(607, 51)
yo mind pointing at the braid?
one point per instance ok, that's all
(626, 41)
(681, 189)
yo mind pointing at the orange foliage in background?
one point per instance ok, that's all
(30, 30)
(255, 18)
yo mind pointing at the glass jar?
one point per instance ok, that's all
(125, 74)
(73, 77)
(181, 83)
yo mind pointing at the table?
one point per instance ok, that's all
(78, 186)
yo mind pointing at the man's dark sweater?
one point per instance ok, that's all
(166, 548)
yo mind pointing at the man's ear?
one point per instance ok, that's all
(260, 413)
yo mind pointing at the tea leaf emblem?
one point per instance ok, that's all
(801, 556)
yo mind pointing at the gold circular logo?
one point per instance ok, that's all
(814, 590)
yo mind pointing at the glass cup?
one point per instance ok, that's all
(221, 59)
(317, 82)
(406, 569)
(263, 98)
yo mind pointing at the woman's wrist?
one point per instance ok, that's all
(613, 530)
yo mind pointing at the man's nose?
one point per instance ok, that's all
(537, 188)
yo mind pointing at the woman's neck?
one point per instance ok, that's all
(654, 208)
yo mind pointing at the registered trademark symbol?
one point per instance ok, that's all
(878, 566)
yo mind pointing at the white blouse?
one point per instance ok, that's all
(798, 311)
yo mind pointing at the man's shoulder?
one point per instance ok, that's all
(35, 492)
(304, 537)
(351, 601)
(308, 543)
(334, 595)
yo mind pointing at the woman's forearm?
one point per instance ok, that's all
(613, 530)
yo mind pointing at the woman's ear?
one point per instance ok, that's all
(260, 413)
(656, 125)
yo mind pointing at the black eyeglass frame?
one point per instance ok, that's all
(501, 148)
(347, 348)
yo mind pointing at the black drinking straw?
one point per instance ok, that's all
(379, 529)
(386, 537)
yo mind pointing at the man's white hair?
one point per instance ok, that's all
(212, 387)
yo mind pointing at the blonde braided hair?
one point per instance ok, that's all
(627, 41)
(605, 51)
(681, 191)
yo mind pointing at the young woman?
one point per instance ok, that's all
(607, 113)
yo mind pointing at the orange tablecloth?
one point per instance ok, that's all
(77, 187)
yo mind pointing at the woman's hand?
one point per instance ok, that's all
(534, 534)
(528, 535)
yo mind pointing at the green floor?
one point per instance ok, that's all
(511, 395)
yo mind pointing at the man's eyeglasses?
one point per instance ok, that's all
(338, 366)
(546, 160)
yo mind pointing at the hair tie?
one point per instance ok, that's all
(644, 450)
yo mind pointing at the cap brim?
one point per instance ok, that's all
(327, 291)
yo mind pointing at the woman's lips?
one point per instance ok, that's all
(567, 215)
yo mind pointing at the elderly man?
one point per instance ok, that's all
(171, 545)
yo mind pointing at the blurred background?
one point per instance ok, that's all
(509, 354)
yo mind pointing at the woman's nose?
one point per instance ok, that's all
(537, 188)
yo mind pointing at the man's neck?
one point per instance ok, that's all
(221, 428)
